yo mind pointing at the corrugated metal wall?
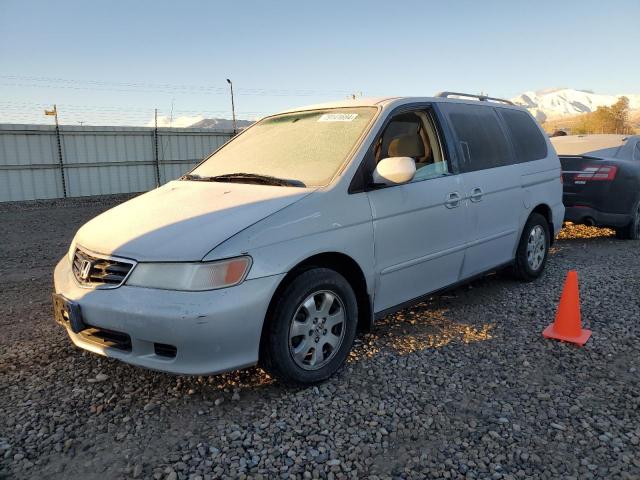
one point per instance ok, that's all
(97, 160)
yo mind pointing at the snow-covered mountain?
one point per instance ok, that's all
(563, 102)
(222, 124)
(198, 121)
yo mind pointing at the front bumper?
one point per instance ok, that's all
(213, 332)
(591, 216)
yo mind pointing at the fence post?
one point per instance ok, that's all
(155, 149)
(60, 157)
(61, 161)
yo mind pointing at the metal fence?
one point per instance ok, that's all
(96, 160)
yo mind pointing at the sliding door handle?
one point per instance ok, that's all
(476, 194)
(452, 200)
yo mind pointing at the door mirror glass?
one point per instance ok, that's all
(394, 171)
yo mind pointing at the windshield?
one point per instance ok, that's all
(306, 148)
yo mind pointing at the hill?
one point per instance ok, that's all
(222, 124)
(570, 122)
(559, 103)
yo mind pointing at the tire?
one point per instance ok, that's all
(300, 346)
(533, 249)
(631, 231)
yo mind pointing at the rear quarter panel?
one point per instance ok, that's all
(625, 191)
(541, 184)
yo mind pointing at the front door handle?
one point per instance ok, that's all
(452, 200)
(476, 195)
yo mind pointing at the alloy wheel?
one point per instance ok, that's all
(317, 330)
(536, 247)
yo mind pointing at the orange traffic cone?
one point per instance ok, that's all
(568, 326)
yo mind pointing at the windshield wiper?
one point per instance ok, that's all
(257, 178)
(191, 176)
(241, 177)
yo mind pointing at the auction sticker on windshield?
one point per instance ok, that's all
(337, 117)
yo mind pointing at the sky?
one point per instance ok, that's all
(114, 62)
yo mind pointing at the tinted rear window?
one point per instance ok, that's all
(528, 142)
(480, 137)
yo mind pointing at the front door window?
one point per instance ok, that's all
(413, 134)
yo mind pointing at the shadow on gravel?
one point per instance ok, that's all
(419, 328)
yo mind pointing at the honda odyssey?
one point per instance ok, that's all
(307, 226)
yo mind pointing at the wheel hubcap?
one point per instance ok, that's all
(536, 247)
(317, 330)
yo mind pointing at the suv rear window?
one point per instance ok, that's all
(481, 139)
(528, 142)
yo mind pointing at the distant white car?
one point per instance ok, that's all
(306, 226)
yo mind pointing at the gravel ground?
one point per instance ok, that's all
(462, 386)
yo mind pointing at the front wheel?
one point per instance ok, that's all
(631, 231)
(531, 255)
(311, 329)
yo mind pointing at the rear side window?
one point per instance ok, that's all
(481, 139)
(528, 142)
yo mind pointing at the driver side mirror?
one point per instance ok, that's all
(394, 171)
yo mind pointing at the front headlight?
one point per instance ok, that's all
(192, 277)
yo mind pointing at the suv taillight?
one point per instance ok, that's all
(603, 173)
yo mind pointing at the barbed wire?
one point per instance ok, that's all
(102, 85)
(111, 108)
(32, 112)
(19, 112)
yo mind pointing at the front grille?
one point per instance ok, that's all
(94, 271)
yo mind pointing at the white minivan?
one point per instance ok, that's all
(308, 225)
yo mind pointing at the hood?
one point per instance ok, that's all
(182, 220)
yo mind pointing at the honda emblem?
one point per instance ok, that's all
(85, 268)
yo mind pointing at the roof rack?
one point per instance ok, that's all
(482, 98)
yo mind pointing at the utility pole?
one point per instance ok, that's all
(155, 148)
(54, 113)
(233, 108)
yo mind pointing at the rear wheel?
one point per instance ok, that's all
(631, 231)
(312, 328)
(531, 255)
